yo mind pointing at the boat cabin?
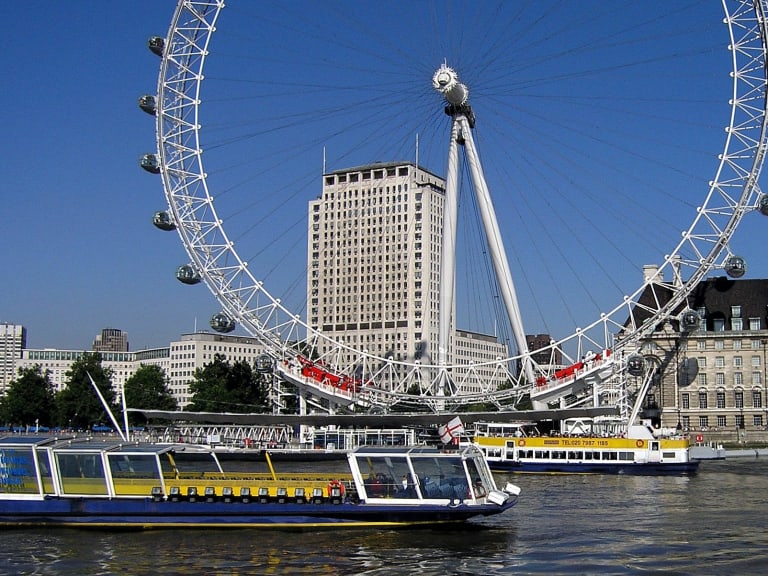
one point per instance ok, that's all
(422, 473)
(46, 466)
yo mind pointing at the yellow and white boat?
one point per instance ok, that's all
(586, 446)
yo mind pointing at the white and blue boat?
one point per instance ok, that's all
(47, 481)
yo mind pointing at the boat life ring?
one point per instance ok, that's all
(639, 443)
(335, 484)
(699, 438)
(521, 443)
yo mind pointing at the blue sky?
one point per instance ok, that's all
(599, 128)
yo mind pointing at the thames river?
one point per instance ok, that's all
(712, 523)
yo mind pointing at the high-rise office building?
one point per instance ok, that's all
(374, 250)
(111, 340)
(374, 253)
(13, 339)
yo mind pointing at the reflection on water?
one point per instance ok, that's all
(712, 523)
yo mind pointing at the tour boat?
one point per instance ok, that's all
(46, 481)
(587, 447)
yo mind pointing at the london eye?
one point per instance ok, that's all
(580, 143)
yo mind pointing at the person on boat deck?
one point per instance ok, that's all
(374, 485)
(407, 489)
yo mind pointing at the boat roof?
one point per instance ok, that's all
(73, 444)
(25, 441)
(420, 450)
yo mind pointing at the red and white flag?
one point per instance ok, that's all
(451, 431)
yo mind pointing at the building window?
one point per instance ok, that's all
(721, 398)
(703, 422)
(686, 422)
(754, 323)
(757, 420)
(719, 344)
(718, 324)
(757, 399)
(722, 421)
(720, 377)
(736, 324)
(738, 397)
(703, 399)
(757, 378)
(702, 379)
(702, 362)
(738, 379)
(738, 361)
(686, 401)
(740, 421)
(755, 361)
(737, 344)
(701, 344)
(736, 311)
(720, 362)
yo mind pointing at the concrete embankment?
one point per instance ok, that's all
(746, 453)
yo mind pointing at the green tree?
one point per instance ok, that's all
(78, 405)
(223, 387)
(148, 389)
(29, 399)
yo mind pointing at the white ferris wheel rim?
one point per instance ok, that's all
(733, 191)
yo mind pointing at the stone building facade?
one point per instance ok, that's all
(712, 381)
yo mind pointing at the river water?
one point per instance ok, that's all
(712, 523)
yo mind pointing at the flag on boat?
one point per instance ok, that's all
(451, 431)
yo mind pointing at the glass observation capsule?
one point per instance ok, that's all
(690, 320)
(150, 163)
(264, 363)
(762, 204)
(635, 365)
(148, 103)
(186, 274)
(163, 220)
(156, 44)
(222, 322)
(735, 266)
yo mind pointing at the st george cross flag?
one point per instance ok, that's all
(451, 431)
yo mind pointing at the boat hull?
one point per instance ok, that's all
(633, 469)
(142, 513)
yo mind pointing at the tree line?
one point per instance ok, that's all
(31, 401)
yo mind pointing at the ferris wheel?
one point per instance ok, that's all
(199, 177)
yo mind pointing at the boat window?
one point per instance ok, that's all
(670, 455)
(610, 456)
(481, 482)
(81, 473)
(134, 474)
(544, 454)
(575, 455)
(627, 456)
(194, 462)
(17, 471)
(133, 466)
(442, 477)
(45, 471)
(387, 476)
